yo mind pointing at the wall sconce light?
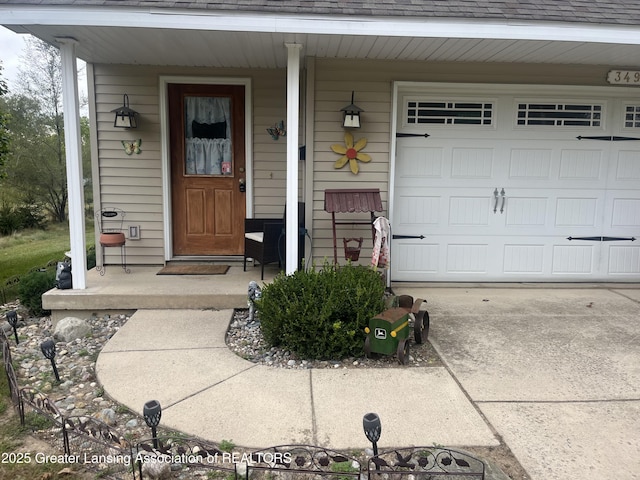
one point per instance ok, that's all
(125, 117)
(351, 115)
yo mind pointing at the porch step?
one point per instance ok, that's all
(118, 291)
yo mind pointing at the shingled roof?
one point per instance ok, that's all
(620, 12)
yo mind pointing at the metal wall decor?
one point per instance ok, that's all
(277, 130)
(351, 153)
(132, 147)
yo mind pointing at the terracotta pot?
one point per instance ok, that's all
(112, 239)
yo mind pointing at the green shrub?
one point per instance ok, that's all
(321, 314)
(9, 220)
(31, 288)
(91, 257)
(21, 217)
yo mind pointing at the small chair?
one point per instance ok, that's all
(263, 238)
(111, 224)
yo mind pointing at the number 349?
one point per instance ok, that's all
(625, 77)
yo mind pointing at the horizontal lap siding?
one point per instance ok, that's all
(372, 82)
(134, 182)
(131, 182)
(335, 80)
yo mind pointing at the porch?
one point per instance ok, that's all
(120, 292)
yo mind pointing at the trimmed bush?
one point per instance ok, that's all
(31, 288)
(321, 314)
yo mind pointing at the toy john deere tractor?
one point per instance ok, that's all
(389, 331)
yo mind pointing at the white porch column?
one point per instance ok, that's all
(73, 146)
(293, 127)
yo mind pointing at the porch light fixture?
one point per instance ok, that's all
(152, 411)
(125, 117)
(372, 430)
(12, 318)
(48, 348)
(351, 115)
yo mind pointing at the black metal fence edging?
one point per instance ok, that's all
(87, 438)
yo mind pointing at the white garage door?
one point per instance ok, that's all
(516, 184)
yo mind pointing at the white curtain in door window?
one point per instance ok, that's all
(208, 135)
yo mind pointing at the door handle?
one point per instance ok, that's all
(495, 194)
(242, 185)
(504, 199)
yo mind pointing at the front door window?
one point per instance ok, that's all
(208, 136)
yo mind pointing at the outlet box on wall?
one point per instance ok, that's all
(134, 232)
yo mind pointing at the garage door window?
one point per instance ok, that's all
(632, 116)
(559, 114)
(449, 113)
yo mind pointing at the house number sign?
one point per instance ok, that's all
(624, 77)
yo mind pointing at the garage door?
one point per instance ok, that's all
(516, 184)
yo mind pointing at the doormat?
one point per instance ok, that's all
(176, 269)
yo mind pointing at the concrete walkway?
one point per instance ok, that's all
(554, 372)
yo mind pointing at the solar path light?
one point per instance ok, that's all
(48, 348)
(12, 318)
(152, 411)
(372, 430)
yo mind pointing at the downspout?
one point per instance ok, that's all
(293, 127)
(73, 148)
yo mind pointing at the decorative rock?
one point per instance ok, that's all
(156, 470)
(71, 328)
(108, 416)
(133, 423)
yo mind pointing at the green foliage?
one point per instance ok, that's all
(4, 129)
(23, 216)
(91, 257)
(31, 288)
(227, 445)
(321, 314)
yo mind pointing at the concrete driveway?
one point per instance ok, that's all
(555, 371)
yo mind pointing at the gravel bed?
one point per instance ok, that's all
(246, 340)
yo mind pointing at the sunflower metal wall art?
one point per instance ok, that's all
(351, 153)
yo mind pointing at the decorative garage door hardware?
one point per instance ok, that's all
(406, 135)
(607, 138)
(396, 237)
(504, 200)
(604, 239)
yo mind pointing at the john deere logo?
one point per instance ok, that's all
(380, 333)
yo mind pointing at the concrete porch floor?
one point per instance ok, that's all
(117, 291)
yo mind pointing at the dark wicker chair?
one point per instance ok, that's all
(264, 239)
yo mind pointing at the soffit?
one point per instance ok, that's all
(242, 49)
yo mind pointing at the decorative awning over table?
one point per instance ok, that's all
(351, 201)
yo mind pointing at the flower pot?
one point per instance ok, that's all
(112, 239)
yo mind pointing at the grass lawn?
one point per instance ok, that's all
(34, 248)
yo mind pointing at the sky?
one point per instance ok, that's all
(12, 47)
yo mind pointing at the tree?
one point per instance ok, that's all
(4, 129)
(35, 173)
(37, 167)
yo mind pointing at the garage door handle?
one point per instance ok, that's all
(495, 194)
(504, 200)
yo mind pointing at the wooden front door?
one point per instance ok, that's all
(207, 168)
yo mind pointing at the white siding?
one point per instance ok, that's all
(134, 183)
(372, 83)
